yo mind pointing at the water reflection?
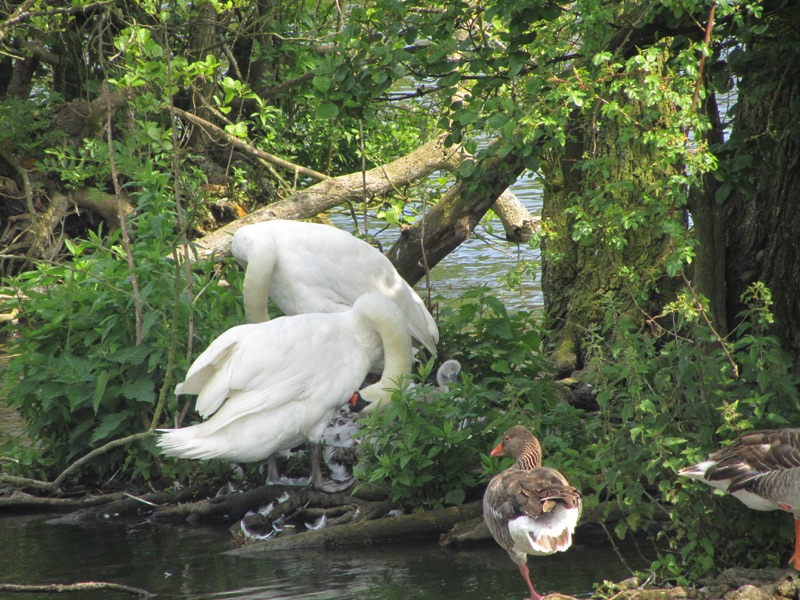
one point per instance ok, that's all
(190, 563)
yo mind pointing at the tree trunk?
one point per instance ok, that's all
(708, 276)
(444, 227)
(761, 216)
(580, 278)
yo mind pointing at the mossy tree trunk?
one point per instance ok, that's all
(606, 174)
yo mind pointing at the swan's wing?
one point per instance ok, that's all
(218, 353)
(324, 269)
(282, 360)
(318, 268)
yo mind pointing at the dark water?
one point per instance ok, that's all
(189, 562)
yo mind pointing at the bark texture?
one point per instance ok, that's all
(580, 278)
(421, 246)
(761, 216)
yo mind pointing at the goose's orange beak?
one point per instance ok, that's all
(498, 451)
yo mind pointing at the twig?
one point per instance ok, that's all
(706, 43)
(248, 149)
(125, 234)
(364, 179)
(56, 588)
(97, 452)
(616, 549)
(142, 500)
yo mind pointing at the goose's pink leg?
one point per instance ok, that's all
(795, 559)
(523, 569)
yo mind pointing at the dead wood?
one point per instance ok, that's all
(333, 192)
(220, 508)
(95, 507)
(452, 220)
(85, 586)
(518, 223)
(367, 533)
(107, 206)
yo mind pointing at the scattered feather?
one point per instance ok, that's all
(339, 472)
(318, 524)
(249, 535)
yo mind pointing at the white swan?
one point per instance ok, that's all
(312, 268)
(270, 386)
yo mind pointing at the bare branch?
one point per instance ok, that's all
(247, 148)
(430, 157)
(20, 15)
(57, 588)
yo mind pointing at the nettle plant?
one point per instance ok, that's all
(97, 348)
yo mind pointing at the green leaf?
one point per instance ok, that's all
(110, 425)
(467, 167)
(327, 112)
(322, 83)
(139, 390)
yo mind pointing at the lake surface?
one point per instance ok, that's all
(189, 563)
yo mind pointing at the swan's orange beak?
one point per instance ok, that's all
(498, 451)
(357, 403)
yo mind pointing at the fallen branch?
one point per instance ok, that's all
(404, 527)
(88, 508)
(326, 194)
(57, 588)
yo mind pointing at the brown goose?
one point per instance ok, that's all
(762, 469)
(529, 509)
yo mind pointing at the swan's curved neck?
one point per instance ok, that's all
(397, 353)
(255, 288)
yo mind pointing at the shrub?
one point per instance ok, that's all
(77, 373)
(430, 448)
(666, 400)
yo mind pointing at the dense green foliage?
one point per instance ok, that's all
(107, 331)
(666, 400)
(88, 370)
(427, 447)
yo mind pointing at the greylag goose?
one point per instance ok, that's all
(270, 386)
(529, 509)
(314, 268)
(762, 470)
